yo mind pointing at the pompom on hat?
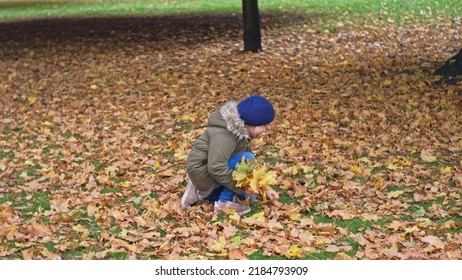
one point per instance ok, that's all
(256, 110)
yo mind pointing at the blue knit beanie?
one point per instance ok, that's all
(256, 110)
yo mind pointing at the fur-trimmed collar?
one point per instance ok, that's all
(234, 123)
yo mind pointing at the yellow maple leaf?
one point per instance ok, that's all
(11, 232)
(395, 225)
(111, 170)
(31, 99)
(235, 217)
(140, 221)
(294, 252)
(356, 169)
(378, 183)
(412, 102)
(342, 256)
(189, 117)
(219, 245)
(262, 179)
(84, 230)
(405, 162)
(446, 170)
(393, 166)
(451, 224)
(411, 230)
(395, 194)
(255, 177)
(257, 219)
(248, 241)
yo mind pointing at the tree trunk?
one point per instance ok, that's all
(451, 69)
(252, 35)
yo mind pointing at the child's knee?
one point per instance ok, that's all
(248, 156)
(237, 158)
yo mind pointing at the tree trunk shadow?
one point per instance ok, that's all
(451, 70)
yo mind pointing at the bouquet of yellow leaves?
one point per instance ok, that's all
(254, 176)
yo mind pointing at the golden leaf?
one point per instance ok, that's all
(262, 180)
(219, 245)
(31, 99)
(411, 230)
(189, 117)
(446, 170)
(356, 169)
(294, 252)
(257, 219)
(395, 194)
(342, 256)
(378, 183)
(257, 178)
(11, 232)
(387, 82)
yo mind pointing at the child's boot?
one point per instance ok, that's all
(190, 195)
(241, 209)
(243, 196)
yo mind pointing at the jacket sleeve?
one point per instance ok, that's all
(221, 147)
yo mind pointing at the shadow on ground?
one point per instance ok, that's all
(184, 29)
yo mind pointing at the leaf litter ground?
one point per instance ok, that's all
(98, 115)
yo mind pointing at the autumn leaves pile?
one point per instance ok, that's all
(96, 124)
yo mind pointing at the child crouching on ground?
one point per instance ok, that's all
(216, 152)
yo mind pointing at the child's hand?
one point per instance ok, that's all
(272, 194)
(248, 192)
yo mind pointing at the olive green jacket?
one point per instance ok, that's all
(207, 163)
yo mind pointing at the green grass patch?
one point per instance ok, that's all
(50, 246)
(376, 9)
(220, 218)
(48, 149)
(75, 253)
(379, 169)
(6, 154)
(109, 190)
(117, 256)
(28, 204)
(271, 160)
(8, 129)
(431, 164)
(355, 225)
(321, 219)
(354, 245)
(32, 170)
(320, 256)
(393, 188)
(287, 199)
(6, 197)
(259, 255)
(359, 179)
(97, 164)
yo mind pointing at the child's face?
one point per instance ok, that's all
(254, 131)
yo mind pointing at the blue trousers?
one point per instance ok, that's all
(224, 194)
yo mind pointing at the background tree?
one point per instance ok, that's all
(252, 34)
